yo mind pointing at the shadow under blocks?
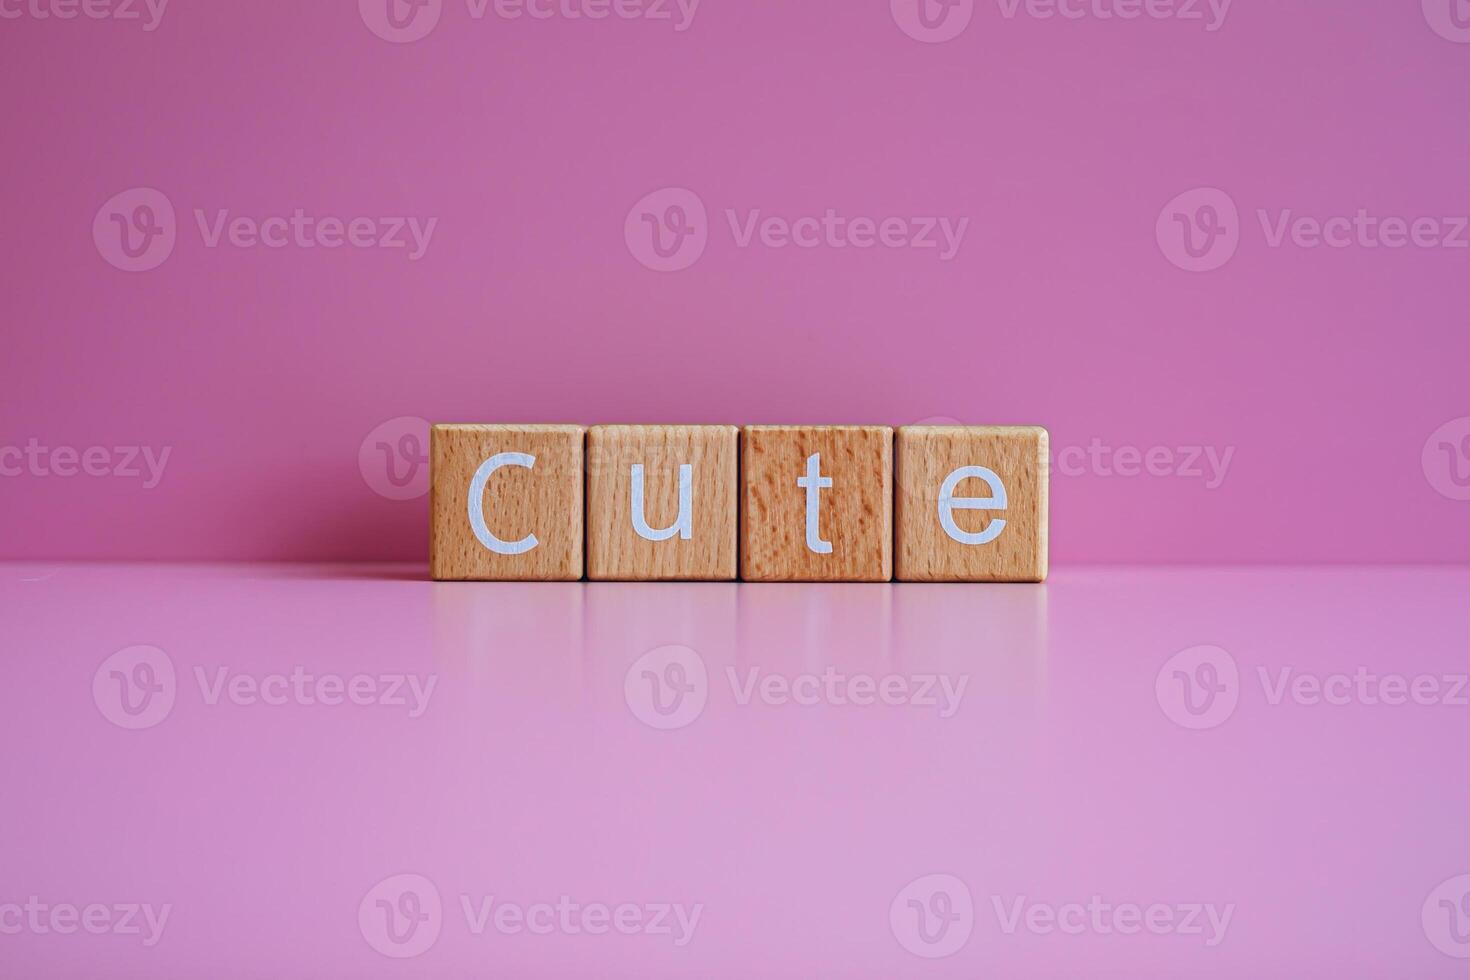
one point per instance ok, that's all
(720, 503)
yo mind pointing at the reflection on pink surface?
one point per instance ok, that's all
(346, 772)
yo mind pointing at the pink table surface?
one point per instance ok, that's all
(1106, 776)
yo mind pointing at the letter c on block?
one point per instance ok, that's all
(477, 504)
(948, 503)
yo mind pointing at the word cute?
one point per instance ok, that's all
(764, 503)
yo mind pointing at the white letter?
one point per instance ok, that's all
(684, 525)
(814, 483)
(477, 504)
(948, 502)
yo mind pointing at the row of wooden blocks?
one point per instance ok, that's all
(783, 503)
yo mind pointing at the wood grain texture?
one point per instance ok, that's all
(855, 513)
(615, 550)
(926, 456)
(544, 500)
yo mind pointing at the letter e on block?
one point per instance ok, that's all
(971, 504)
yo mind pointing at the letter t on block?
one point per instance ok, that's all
(817, 503)
(505, 502)
(971, 504)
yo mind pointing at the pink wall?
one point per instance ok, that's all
(1323, 371)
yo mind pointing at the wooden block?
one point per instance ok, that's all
(817, 503)
(661, 502)
(971, 504)
(506, 502)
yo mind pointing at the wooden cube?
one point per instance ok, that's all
(817, 503)
(506, 502)
(661, 502)
(971, 504)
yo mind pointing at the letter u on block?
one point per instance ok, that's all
(661, 502)
(684, 525)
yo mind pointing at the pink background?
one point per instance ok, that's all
(1061, 141)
